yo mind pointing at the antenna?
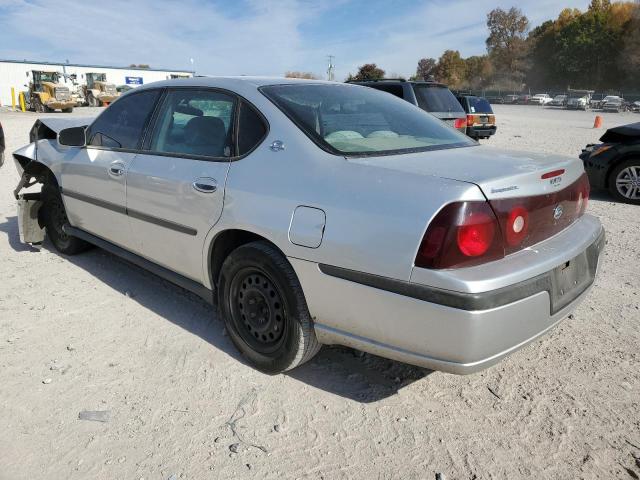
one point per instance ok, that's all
(331, 68)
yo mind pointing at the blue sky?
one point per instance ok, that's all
(253, 37)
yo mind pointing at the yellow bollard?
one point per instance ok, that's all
(13, 99)
(23, 103)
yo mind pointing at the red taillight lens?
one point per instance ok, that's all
(461, 234)
(460, 123)
(476, 236)
(470, 120)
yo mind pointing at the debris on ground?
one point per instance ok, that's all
(95, 415)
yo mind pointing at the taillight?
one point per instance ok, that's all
(460, 123)
(470, 120)
(471, 233)
(461, 234)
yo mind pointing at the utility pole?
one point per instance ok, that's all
(331, 68)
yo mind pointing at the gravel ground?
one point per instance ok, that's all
(95, 333)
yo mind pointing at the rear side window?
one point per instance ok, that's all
(251, 130)
(195, 122)
(479, 105)
(122, 124)
(436, 99)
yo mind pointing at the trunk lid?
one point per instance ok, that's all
(499, 173)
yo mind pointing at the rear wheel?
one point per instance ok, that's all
(624, 181)
(54, 218)
(264, 309)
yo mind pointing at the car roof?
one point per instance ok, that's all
(229, 82)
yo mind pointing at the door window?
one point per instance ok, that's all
(251, 131)
(122, 124)
(195, 122)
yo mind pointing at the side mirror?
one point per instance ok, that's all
(72, 137)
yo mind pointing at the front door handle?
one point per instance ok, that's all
(205, 185)
(116, 169)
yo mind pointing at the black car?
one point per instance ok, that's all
(430, 96)
(1, 145)
(614, 164)
(481, 121)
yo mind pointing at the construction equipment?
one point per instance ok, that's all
(46, 94)
(97, 91)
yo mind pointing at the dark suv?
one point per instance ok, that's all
(481, 121)
(432, 97)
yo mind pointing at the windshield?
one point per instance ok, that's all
(479, 105)
(355, 120)
(611, 99)
(48, 77)
(436, 99)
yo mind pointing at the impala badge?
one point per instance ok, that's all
(557, 212)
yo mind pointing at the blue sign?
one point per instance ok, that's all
(133, 80)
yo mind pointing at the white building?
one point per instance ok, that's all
(16, 73)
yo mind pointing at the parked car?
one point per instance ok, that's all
(635, 106)
(495, 100)
(614, 164)
(432, 97)
(541, 99)
(511, 98)
(579, 99)
(613, 103)
(558, 101)
(481, 121)
(524, 99)
(322, 213)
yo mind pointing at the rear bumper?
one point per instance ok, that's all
(438, 329)
(481, 131)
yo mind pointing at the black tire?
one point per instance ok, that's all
(54, 217)
(623, 185)
(264, 309)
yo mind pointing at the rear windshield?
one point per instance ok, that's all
(437, 99)
(355, 120)
(479, 105)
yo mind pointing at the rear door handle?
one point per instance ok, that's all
(116, 169)
(205, 185)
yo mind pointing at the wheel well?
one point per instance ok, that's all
(225, 243)
(629, 156)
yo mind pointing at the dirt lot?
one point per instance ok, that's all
(95, 333)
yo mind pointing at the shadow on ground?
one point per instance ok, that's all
(339, 370)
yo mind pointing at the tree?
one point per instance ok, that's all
(426, 68)
(305, 75)
(451, 69)
(368, 71)
(478, 71)
(630, 56)
(506, 43)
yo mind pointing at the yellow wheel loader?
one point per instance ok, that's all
(47, 94)
(98, 91)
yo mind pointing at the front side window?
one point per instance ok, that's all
(354, 120)
(122, 124)
(195, 122)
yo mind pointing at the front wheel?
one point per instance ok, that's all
(54, 218)
(624, 181)
(264, 309)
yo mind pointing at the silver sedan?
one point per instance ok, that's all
(320, 213)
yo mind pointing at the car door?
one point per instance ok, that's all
(175, 190)
(94, 177)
